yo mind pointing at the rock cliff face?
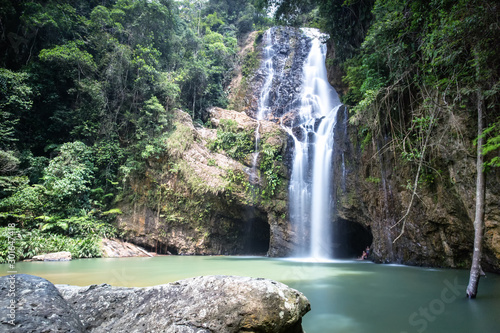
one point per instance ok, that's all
(335, 72)
(203, 195)
(197, 198)
(372, 194)
(290, 49)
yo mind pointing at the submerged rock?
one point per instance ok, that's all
(201, 304)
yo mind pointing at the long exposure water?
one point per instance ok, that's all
(311, 184)
(345, 296)
(263, 105)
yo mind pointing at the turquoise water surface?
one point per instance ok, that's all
(345, 296)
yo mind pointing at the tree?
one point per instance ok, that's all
(68, 179)
(476, 271)
(89, 86)
(15, 100)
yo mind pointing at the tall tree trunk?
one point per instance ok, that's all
(476, 271)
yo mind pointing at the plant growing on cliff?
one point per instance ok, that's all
(491, 144)
(269, 165)
(237, 181)
(250, 63)
(237, 144)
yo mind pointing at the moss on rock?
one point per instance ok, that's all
(196, 200)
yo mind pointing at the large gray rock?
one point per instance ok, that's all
(38, 306)
(202, 304)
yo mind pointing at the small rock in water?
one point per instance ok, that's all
(55, 256)
(299, 133)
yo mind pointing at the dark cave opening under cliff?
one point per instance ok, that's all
(158, 247)
(350, 239)
(255, 235)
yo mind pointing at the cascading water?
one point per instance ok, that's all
(311, 201)
(307, 106)
(263, 106)
(344, 170)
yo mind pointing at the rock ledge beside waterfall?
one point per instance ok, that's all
(201, 304)
(192, 199)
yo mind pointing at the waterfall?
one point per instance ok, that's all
(344, 170)
(295, 89)
(268, 68)
(310, 190)
(263, 106)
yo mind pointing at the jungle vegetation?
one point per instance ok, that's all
(417, 69)
(87, 90)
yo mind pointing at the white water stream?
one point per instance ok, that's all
(311, 182)
(263, 106)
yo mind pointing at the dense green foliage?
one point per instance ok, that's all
(421, 63)
(237, 144)
(412, 65)
(346, 21)
(31, 243)
(87, 90)
(270, 168)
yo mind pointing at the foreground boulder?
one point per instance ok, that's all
(202, 304)
(38, 306)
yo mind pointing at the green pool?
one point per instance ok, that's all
(346, 296)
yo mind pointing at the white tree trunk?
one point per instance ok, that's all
(475, 271)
